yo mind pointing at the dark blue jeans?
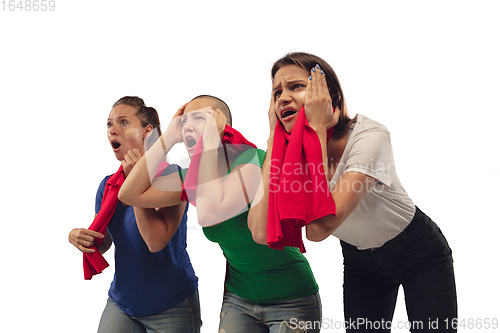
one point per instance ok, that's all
(420, 260)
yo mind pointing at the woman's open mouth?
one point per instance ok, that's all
(116, 145)
(190, 142)
(288, 113)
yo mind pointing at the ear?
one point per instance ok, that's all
(148, 129)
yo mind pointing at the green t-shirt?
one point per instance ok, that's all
(256, 272)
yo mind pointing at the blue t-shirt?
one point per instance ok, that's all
(147, 283)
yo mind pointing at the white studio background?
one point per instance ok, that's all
(428, 70)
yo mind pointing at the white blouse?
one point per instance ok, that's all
(386, 209)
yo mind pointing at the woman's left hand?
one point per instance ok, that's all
(174, 129)
(130, 159)
(318, 103)
(216, 122)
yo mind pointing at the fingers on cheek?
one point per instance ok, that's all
(302, 96)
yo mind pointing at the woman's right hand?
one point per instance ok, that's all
(83, 239)
(174, 129)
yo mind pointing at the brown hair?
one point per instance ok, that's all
(146, 114)
(308, 61)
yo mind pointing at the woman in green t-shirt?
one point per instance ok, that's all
(266, 290)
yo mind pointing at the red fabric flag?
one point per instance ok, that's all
(230, 136)
(298, 190)
(94, 263)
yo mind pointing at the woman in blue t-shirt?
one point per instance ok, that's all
(154, 288)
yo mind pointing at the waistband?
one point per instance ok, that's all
(418, 218)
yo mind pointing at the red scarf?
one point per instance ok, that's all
(94, 263)
(298, 190)
(232, 137)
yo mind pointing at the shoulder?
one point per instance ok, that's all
(103, 183)
(369, 140)
(366, 125)
(250, 156)
(366, 129)
(165, 169)
(100, 193)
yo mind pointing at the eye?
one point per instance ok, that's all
(200, 117)
(109, 124)
(124, 122)
(298, 86)
(277, 93)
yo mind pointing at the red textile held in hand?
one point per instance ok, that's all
(232, 137)
(94, 263)
(298, 190)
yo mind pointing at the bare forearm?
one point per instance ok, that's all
(139, 180)
(155, 232)
(257, 217)
(209, 190)
(318, 230)
(349, 191)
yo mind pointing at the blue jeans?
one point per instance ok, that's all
(297, 315)
(420, 260)
(184, 318)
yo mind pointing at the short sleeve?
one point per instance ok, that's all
(371, 153)
(99, 194)
(250, 156)
(169, 170)
(183, 173)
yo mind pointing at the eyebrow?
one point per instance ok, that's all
(192, 114)
(202, 111)
(120, 117)
(288, 82)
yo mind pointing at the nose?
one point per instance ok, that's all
(112, 129)
(284, 98)
(187, 126)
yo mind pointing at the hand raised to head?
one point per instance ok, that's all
(318, 103)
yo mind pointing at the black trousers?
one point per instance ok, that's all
(420, 260)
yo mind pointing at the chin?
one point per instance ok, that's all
(119, 157)
(289, 127)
